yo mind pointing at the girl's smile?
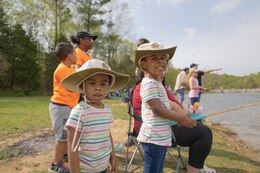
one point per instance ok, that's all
(155, 65)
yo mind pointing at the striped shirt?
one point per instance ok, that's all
(95, 145)
(155, 129)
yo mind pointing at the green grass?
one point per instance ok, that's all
(23, 114)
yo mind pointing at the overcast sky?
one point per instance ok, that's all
(213, 33)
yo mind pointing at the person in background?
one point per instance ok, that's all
(90, 144)
(61, 104)
(181, 85)
(84, 43)
(194, 87)
(142, 41)
(201, 73)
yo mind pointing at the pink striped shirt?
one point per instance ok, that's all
(95, 145)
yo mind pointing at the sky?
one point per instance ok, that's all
(212, 33)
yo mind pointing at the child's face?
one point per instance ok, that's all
(155, 65)
(195, 74)
(97, 87)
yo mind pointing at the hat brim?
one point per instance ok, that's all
(142, 53)
(94, 37)
(72, 81)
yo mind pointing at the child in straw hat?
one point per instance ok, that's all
(89, 140)
(155, 133)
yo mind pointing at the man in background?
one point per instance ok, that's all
(181, 84)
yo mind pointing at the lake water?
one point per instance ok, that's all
(245, 121)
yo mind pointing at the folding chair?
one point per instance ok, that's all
(179, 160)
(138, 149)
(131, 137)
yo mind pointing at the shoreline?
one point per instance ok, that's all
(231, 134)
(252, 90)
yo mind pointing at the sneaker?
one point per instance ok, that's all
(59, 168)
(207, 170)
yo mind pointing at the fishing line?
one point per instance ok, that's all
(233, 109)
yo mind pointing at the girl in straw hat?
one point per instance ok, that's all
(89, 141)
(155, 133)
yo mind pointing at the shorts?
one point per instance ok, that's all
(59, 115)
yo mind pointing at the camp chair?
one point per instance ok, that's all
(138, 149)
(131, 137)
(179, 160)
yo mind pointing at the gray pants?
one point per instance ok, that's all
(59, 115)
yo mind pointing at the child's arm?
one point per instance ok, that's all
(175, 107)
(112, 160)
(73, 156)
(178, 115)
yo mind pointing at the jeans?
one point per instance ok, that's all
(181, 93)
(153, 157)
(193, 100)
(104, 171)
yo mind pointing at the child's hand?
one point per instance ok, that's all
(186, 121)
(113, 168)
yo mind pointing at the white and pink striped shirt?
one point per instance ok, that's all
(95, 145)
(155, 129)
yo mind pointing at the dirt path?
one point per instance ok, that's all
(34, 150)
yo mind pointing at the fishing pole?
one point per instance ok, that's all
(236, 108)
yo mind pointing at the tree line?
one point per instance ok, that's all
(30, 30)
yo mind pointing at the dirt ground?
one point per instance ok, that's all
(33, 152)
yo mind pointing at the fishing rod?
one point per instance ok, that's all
(236, 108)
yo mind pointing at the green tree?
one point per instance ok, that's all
(116, 29)
(90, 13)
(4, 34)
(20, 54)
(171, 76)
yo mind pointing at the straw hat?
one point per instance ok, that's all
(151, 49)
(90, 68)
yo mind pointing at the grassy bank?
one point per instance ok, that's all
(24, 114)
